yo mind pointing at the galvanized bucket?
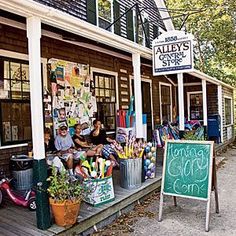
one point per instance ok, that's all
(24, 179)
(131, 173)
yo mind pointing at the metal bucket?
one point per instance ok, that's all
(131, 173)
(22, 171)
(23, 179)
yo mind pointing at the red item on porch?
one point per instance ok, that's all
(109, 171)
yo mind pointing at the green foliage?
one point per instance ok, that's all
(213, 24)
(62, 189)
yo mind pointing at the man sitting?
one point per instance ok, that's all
(65, 145)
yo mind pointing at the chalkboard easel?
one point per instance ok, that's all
(189, 171)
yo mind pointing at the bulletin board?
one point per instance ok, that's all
(72, 101)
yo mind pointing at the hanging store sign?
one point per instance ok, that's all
(173, 53)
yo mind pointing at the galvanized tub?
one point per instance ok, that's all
(131, 173)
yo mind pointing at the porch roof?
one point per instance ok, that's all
(208, 78)
(69, 23)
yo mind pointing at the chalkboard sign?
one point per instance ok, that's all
(187, 172)
(187, 169)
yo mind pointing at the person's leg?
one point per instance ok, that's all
(58, 164)
(98, 149)
(108, 153)
(91, 153)
(69, 163)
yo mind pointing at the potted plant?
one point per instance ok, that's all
(65, 198)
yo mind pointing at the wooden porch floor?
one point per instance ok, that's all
(15, 220)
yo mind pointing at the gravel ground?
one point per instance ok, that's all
(188, 218)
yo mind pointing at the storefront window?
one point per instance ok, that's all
(15, 119)
(166, 103)
(228, 111)
(105, 93)
(104, 13)
(196, 106)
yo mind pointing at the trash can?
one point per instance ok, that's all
(22, 171)
(131, 173)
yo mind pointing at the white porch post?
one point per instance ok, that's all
(181, 101)
(137, 95)
(34, 35)
(204, 98)
(40, 166)
(220, 111)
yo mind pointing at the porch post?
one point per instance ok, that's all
(204, 98)
(40, 167)
(137, 95)
(220, 111)
(181, 103)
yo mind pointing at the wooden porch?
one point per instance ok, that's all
(20, 221)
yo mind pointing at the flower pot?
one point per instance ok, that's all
(65, 213)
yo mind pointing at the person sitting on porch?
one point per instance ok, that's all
(50, 150)
(82, 145)
(65, 146)
(99, 136)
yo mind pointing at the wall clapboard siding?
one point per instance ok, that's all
(212, 99)
(72, 7)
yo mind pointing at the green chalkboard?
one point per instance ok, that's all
(187, 168)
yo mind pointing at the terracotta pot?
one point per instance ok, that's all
(65, 213)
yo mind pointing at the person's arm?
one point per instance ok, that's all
(82, 144)
(57, 144)
(109, 140)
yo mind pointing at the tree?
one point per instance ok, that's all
(213, 24)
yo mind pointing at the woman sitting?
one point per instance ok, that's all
(82, 144)
(99, 136)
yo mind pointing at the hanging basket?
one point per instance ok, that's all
(65, 213)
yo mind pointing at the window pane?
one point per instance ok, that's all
(16, 121)
(104, 24)
(107, 82)
(102, 92)
(4, 89)
(15, 71)
(6, 70)
(101, 82)
(228, 117)
(196, 107)
(25, 72)
(104, 9)
(107, 93)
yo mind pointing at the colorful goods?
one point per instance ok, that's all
(131, 150)
(98, 169)
(149, 162)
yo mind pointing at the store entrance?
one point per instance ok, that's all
(146, 105)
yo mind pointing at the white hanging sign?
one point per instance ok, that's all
(173, 53)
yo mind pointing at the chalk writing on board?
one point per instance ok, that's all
(187, 169)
